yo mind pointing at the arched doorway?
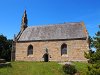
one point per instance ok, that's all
(45, 56)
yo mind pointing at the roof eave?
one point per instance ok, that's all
(83, 38)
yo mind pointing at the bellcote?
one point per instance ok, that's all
(24, 21)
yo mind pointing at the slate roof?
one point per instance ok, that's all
(54, 32)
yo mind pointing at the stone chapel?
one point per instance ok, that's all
(53, 42)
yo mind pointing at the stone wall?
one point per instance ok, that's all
(75, 50)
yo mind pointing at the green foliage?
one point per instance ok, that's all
(90, 56)
(96, 44)
(96, 41)
(90, 40)
(81, 67)
(94, 69)
(69, 69)
(5, 48)
(94, 57)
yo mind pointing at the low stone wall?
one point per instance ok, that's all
(2, 61)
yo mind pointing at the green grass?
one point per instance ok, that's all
(32, 68)
(40, 68)
(81, 67)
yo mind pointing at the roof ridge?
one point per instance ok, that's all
(45, 25)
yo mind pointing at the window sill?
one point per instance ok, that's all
(30, 55)
(64, 55)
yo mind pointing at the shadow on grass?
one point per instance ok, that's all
(4, 65)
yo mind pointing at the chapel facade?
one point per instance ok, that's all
(54, 42)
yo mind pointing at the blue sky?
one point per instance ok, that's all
(42, 12)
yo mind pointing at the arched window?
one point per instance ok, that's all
(63, 49)
(30, 50)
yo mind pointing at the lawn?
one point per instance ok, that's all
(81, 67)
(39, 68)
(32, 68)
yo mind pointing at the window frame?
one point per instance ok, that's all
(64, 49)
(30, 50)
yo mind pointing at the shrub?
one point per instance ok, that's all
(94, 69)
(69, 69)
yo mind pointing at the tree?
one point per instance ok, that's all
(91, 54)
(94, 69)
(96, 44)
(5, 48)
